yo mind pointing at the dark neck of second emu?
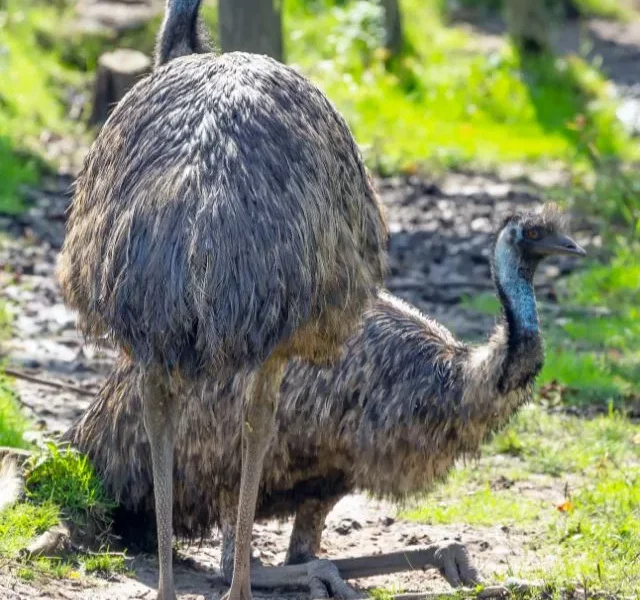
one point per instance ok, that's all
(181, 33)
(513, 276)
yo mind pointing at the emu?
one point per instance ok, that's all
(223, 222)
(405, 401)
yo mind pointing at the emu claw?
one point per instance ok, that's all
(455, 565)
(325, 582)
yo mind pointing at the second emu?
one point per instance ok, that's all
(406, 400)
(223, 222)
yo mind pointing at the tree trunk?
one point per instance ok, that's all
(529, 23)
(251, 26)
(394, 37)
(117, 73)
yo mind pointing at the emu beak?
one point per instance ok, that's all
(560, 244)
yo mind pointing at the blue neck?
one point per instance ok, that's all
(516, 287)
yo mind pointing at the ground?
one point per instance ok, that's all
(523, 508)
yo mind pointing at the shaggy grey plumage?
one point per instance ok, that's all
(223, 222)
(223, 207)
(405, 401)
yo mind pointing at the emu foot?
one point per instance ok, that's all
(454, 563)
(325, 582)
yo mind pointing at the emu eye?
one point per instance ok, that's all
(532, 234)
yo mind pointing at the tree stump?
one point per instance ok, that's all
(117, 73)
(260, 33)
(529, 23)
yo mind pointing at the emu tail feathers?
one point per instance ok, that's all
(182, 32)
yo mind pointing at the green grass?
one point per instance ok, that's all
(22, 522)
(32, 88)
(60, 484)
(479, 507)
(67, 478)
(12, 423)
(593, 541)
(443, 101)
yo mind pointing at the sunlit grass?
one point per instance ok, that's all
(60, 485)
(445, 101)
(591, 535)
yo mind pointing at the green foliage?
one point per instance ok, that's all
(22, 522)
(477, 507)
(12, 422)
(60, 484)
(444, 101)
(32, 88)
(67, 478)
(104, 564)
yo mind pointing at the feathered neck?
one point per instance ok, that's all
(513, 277)
(181, 33)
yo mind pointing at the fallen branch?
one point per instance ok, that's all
(18, 374)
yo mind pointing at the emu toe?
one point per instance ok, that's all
(325, 582)
(456, 567)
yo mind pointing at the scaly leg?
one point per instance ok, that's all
(304, 544)
(160, 414)
(258, 427)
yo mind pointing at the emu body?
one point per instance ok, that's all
(223, 223)
(391, 417)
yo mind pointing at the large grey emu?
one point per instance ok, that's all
(223, 222)
(406, 400)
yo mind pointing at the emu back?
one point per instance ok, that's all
(223, 213)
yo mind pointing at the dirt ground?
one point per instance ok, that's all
(438, 252)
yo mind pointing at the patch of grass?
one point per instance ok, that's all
(457, 105)
(477, 507)
(440, 102)
(598, 356)
(67, 478)
(33, 84)
(104, 564)
(60, 485)
(593, 539)
(12, 422)
(22, 522)
(483, 302)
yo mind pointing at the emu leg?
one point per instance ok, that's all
(304, 544)
(452, 560)
(160, 414)
(258, 426)
(320, 576)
